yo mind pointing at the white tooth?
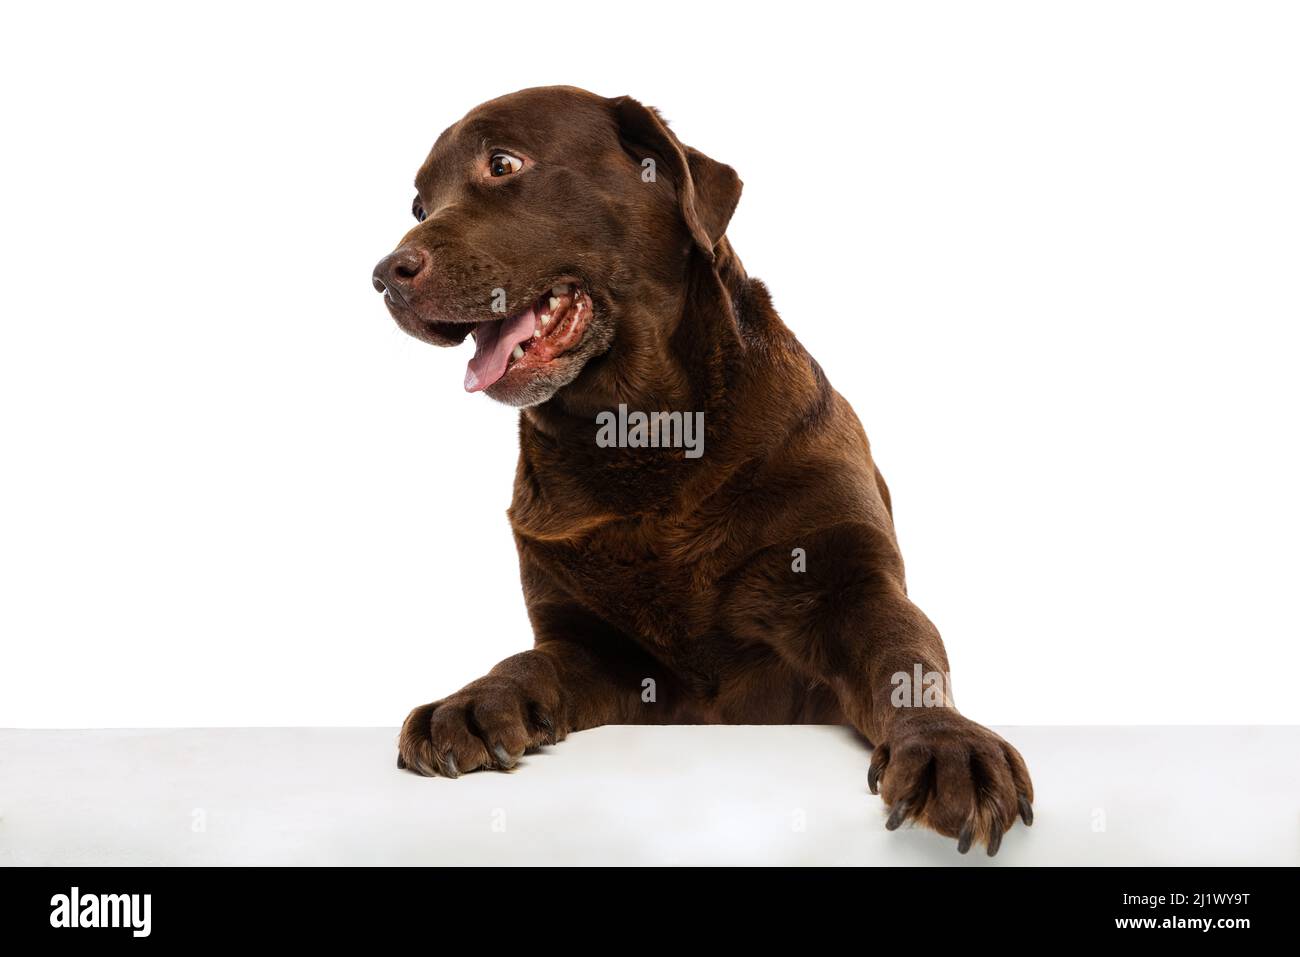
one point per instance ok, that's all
(546, 319)
(561, 290)
(518, 353)
(537, 333)
(554, 303)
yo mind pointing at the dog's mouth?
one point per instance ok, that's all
(549, 327)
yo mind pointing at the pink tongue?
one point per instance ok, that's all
(494, 340)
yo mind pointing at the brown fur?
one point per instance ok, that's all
(641, 563)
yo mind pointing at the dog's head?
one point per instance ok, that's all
(555, 228)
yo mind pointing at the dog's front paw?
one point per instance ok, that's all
(488, 724)
(952, 775)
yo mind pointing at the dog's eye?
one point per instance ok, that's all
(418, 211)
(503, 164)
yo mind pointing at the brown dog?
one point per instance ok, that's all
(752, 578)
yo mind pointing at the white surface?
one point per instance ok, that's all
(623, 795)
(1046, 250)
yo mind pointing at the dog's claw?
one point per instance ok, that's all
(896, 816)
(966, 836)
(1026, 811)
(879, 761)
(995, 840)
(504, 757)
(449, 768)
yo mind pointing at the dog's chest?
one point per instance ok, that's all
(619, 535)
(653, 579)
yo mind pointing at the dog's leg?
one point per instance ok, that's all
(844, 618)
(533, 699)
(930, 764)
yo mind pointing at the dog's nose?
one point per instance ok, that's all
(397, 271)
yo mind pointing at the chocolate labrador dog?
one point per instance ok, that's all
(741, 572)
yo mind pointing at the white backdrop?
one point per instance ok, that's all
(1049, 252)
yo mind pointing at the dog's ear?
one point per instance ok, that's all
(706, 189)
